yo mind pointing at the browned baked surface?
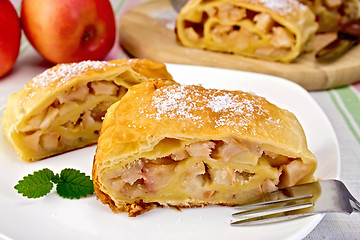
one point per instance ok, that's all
(184, 146)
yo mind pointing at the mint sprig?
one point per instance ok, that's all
(71, 183)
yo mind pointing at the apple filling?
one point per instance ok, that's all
(240, 30)
(209, 171)
(75, 116)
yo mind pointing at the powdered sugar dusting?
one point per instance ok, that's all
(226, 108)
(231, 102)
(63, 72)
(281, 6)
(178, 102)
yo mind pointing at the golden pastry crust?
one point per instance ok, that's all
(332, 14)
(62, 108)
(275, 30)
(183, 146)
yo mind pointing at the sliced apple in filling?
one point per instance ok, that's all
(208, 172)
(63, 108)
(187, 146)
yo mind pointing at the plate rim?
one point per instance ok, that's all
(313, 220)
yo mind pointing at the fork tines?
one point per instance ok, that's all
(264, 212)
(327, 196)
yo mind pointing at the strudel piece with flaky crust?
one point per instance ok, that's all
(184, 146)
(62, 108)
(275, 30)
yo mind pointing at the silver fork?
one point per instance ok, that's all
(297, 201)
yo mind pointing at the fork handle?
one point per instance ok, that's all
(356, 205)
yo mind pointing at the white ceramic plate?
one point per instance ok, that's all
(53, 217)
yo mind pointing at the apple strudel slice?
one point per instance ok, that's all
(62, 108)
(186, 146)
(332, 14)
(275, 30)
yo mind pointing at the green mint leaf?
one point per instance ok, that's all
(36, 185)
(74, 184)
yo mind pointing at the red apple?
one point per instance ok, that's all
(69, 30)
(10, 35)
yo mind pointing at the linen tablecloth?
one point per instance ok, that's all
(341, 105)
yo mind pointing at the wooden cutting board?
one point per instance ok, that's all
(147, 31)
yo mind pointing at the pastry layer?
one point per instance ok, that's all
(62, 108)
(183, 146)
(275, 30)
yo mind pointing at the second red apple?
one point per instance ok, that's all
(69, 30)
(10, 35)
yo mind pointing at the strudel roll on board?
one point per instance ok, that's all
(62, 108)
(332, 14)
(275, 30)
(184, 146)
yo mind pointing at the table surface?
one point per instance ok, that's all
(341, 105)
